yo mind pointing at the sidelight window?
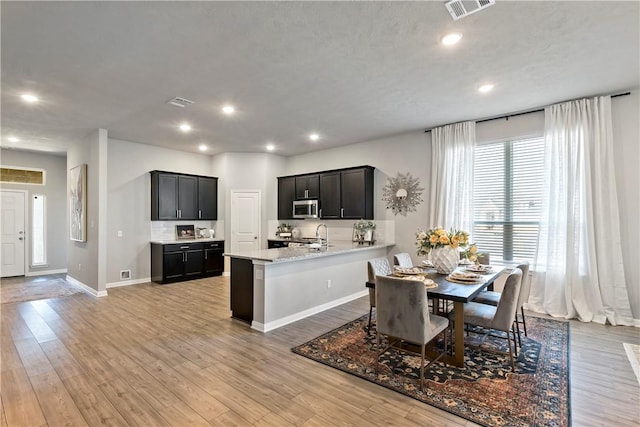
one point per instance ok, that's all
(38, 232)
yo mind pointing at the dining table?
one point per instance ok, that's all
(458, 294)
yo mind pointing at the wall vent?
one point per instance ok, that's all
(180, 102)
(125, 274)
(461, 8)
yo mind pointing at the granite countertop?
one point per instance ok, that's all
(186, 241)
(302, 253)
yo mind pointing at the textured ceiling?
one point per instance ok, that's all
(351, 71)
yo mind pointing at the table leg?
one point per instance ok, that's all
(458, 330)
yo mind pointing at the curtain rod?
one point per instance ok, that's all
(537, 110)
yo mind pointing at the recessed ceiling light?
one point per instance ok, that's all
(228, 109)
(314, 137)
(13, 139)
(451, 39)
(203, 147)
(30, 98)
(270, 147)
(185, 127)
(485, 88)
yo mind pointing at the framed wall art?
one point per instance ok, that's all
(78, 203)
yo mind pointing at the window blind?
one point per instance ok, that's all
(507, 198)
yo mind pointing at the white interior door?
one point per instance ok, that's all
(245, 220)
(12, 224)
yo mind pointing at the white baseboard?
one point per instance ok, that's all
(45, 272)
(128, 282)
(306, 313)
(226, 273)
(86, 288)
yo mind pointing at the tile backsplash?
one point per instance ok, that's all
(166, 230)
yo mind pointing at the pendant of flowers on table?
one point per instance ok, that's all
(438, 238)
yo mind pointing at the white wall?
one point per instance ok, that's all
(84, 264)
(625, 111)
(129, 194)
(54, 190)
(249, 171)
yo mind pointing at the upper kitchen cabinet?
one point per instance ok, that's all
(307, 187)
(330, 203)
(357, 193)
(342, 193)
(180, 196)
(286, 196)
(207, 198)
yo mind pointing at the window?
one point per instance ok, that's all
(38, 223)
(508, 177)
(19, 175)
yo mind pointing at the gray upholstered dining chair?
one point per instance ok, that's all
(500, 317)
(403, 315)
(403, 260)
(492, 298)
(375, 267)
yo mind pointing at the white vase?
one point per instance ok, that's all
(444, 259)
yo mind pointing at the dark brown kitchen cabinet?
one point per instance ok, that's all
(177, 262)
(341, 193)
(213, 258)
(307, 187)
(286, 196)
(207, 198)
(183, 197)
(357, 193)
(330, 204)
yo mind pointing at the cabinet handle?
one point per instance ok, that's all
(306, 194)
(177, 213)
(205, 254)
(341, 212)
(184, 257)
(184, 247)
(199, 214)
(320, 215)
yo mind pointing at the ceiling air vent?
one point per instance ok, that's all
(180, 102)
(461, 8)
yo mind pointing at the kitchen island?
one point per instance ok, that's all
(274, 287)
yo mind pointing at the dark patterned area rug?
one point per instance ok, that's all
(485, 391)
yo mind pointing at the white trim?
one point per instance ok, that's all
(128, 282)
(306, 313)
(633, 354)
(44, 228)
(86, 288)
(226, 273)
(45, 272)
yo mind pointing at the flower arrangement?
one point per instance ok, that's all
(439, 238)
(364, 225)
(472, 253)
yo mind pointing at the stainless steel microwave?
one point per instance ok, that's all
(305, 209)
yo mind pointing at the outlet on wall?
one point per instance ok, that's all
(79, 267)
(328, 283)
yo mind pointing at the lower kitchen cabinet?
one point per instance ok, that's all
(177, 262)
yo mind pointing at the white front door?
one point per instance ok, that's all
(245, 220)
(12, 224)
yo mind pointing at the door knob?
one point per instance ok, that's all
(20, 232)
(255, 237)
(20, 238)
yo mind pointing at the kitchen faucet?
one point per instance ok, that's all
(326, 234)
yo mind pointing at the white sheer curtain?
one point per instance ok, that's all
(579, 251)
(451, 198)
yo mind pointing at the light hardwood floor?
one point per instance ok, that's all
(160, 355)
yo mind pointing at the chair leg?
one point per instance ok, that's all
(422, 368)
(513, 366)
(524, 322)
(369, 327)
(517, 327)
(378, 347)
(514, 326)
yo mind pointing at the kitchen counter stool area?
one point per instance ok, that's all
(176, 262)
